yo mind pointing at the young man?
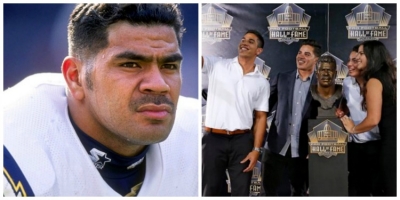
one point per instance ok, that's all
(287, 140)
(111, 124)
(236, 91)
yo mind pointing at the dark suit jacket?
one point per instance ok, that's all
(281, 98)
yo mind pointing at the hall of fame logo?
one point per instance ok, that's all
(368, 22)
(256, 180)
(327, 139)
(341, 69)
(216, 24)
(288, 23)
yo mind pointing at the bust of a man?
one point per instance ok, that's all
(326, 92)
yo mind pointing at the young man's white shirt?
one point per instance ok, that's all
(233, 95)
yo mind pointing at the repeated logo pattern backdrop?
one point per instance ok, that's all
(337, 27)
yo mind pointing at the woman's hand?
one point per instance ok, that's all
(348, 124)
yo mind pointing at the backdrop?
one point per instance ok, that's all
(223, 25)
(337, 27)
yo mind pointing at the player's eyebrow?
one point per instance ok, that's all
(175, 57)
(133, 56)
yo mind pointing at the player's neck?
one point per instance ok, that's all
(326, 92)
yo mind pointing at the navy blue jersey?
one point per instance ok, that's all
(124, 174)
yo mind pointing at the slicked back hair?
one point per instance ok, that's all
(317, 47)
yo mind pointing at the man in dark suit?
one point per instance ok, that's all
(287, 142)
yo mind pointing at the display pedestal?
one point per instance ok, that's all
(327, 162)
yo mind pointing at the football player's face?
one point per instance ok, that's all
(306, 58)
(136, 81)
(326, 74)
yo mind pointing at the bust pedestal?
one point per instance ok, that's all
(327, 161)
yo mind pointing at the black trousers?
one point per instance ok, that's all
(274, 166)
(388, 167)
(364, 174)
(221, 152)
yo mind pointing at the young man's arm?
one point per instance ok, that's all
(259, 131)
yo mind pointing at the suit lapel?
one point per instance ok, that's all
(290, 86)
(309, 96)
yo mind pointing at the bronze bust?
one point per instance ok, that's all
(326, 92)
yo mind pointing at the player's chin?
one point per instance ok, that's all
(156, 133)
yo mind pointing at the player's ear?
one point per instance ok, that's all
(71, 69)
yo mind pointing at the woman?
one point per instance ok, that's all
(363, 148)
(379, 93)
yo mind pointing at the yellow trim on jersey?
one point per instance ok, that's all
(16, 187)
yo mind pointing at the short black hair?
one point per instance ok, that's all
(87, 28)
(326, 59)
(317, 47)
(259, 36)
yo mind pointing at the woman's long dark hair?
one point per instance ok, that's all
(380, 65)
